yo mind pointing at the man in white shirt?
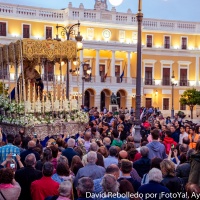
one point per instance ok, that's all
(182, 134)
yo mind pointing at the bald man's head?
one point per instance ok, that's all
(106, 141)
(123, 155)
(31, 144)
(87, 136)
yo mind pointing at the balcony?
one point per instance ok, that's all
(183, 46)
(184, 83)
(166, 82)
(149, 45)
(167, 46)
(149, 81)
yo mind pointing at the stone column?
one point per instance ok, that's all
(197, 70)
(81, 67)
(128, 67)
(112, 74)
(97, 77)
(97, 100)
(129, 101)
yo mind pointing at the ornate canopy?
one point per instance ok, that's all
(35, 49)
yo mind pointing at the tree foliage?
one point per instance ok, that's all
(190, 97)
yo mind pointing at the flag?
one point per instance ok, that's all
(122, 75)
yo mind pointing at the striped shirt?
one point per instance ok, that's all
(7, 149)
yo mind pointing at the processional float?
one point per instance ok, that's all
(38, 102)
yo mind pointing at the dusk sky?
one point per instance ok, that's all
(186, 10)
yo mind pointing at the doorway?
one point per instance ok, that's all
(148, 102)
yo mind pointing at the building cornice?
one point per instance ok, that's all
(88, 17)
(167, 62)
(184, 63)
(112, 46)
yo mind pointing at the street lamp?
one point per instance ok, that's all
(139, 16)
(69, 30)
(173, 84)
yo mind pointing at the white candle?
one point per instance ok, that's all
(34, 97)
(43, 102)
(29, 89)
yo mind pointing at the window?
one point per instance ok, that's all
(48, 32)
(182, 107)
(184, 43)
(166, 76)
(2, 28)
(165, 104)
(167, 42)
(48, 71)
(148, 76)
(4, 72)
(149, 40)
(183, 77)
(26, 31)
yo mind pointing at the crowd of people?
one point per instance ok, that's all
(104, 162)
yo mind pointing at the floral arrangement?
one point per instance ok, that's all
(15, 115)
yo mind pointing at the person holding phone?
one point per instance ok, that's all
(8, 148)
(10, 162)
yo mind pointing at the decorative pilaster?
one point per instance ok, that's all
(97, 77)
(112, 74)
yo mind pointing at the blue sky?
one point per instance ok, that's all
(186, 10)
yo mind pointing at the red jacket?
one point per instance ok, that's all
(46, 186)
(168, 141)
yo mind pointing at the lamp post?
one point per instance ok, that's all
(69, 30)
(173, 84)
(139, 16)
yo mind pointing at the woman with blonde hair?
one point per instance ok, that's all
(173, 183)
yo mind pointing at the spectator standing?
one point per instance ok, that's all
(175, 134)
(126, 168)
(91, 169)
(25, 176)
(65, 192)
(142, 166)
(193, 137)
(31, 146)
(69, 152)
(9, 148)
(183, 170)
(46, 186)
(154, 186)
(87, 138)
(112, 158)
(9, 188)
(111, 169)
(169, 142)
(194, 176)
(156, 149)
(116, 141)
(85, 187)
(182, 134)
(170, 180)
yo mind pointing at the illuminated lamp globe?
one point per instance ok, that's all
(115, 2)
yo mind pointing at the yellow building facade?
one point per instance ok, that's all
(110, 50)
